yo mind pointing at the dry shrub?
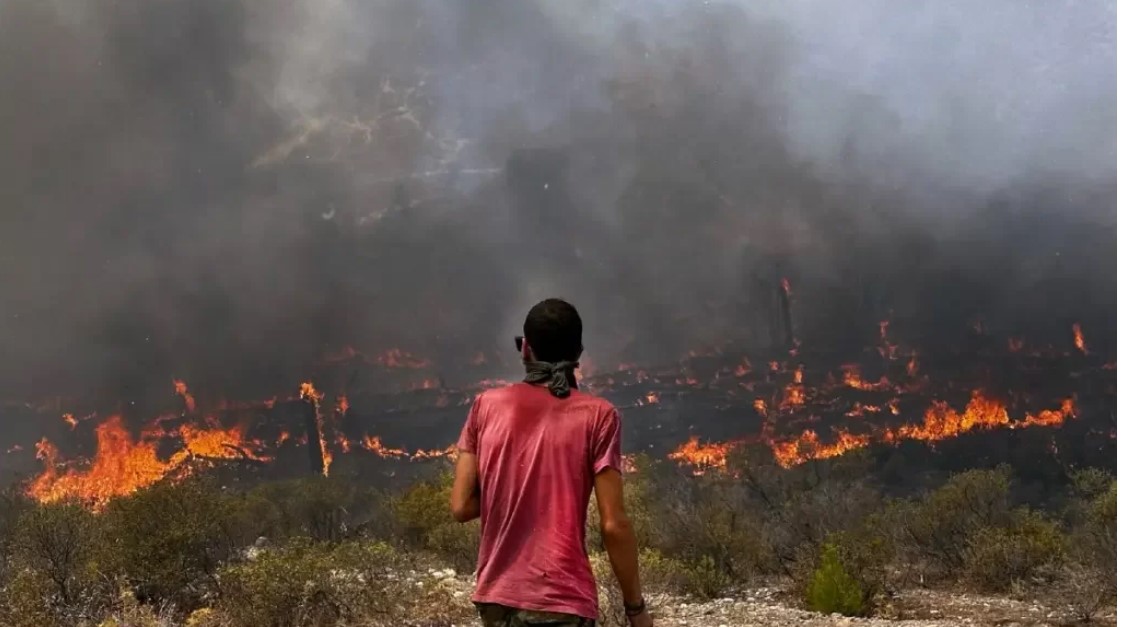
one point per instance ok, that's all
(56, 543)
(128, 612)
(608, 592)
(207, 617)
(25, 600)
(935, 530)
(1082, 592)
(999, 557)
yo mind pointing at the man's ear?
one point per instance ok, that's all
(528, 354)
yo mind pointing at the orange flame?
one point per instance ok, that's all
(941, 422)
(794, 395)
(702, 456)
(309, 393)
(373, 443)
(808, 446)
(70, 420)
(188, 399)
(123, 465)
(1078, 338)
(852, 377)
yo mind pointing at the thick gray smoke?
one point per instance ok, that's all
(223, 191)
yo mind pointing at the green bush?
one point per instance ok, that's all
(57, 542)
(13, 503)
(999, 557)
(309, 584)
(25, 600)
(317, 507)
(866, 553)
(1098, 533)
(832, 590)
(935, 530)
(425, 523)
(168, 540)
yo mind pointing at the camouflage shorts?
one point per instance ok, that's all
(502, 616)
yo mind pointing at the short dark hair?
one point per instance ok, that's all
(553, 330)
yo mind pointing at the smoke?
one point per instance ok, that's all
(223, 191)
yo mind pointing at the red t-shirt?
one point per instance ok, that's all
(538, 455)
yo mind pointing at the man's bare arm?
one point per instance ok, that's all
(619, 539)
(465, 499)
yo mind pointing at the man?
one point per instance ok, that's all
(530, 456)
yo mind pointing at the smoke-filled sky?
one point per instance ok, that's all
(225, 190)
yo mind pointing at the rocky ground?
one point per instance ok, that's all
(769, 607)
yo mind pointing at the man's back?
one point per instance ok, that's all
(537, 458)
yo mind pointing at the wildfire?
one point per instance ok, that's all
(308, 393)
(861, 410)
(808, 446)
(887, 349)
(761, 406)
(1051, 417)
(702, 456)
(797, 413)
(374, 444)
(181, 390)
(852, 377)
(1078, 338)
(793, 393)
(941, 422)
(123, 465)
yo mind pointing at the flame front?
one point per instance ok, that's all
(123, 465)
(703, 456)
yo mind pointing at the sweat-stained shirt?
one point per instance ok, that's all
(537, 456)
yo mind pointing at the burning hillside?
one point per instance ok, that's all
(803, 407)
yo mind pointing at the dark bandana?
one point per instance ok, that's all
(558, 376)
